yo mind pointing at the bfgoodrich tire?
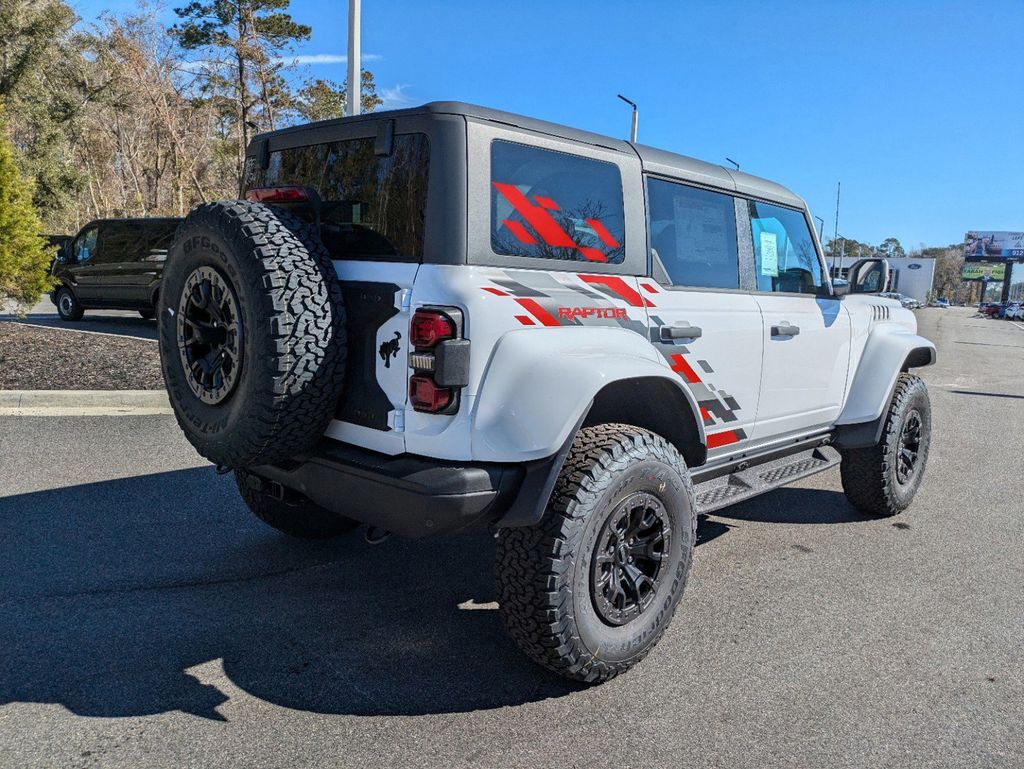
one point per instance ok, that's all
(296, 517)
(883, 479)
(252, 333)
(590, 590)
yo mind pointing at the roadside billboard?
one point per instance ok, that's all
(984, 243)
(994, 271)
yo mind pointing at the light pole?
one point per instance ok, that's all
(355, 78)
(636, 118)
(835, 237)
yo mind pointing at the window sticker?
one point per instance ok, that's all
(701, 231)
(769, 255)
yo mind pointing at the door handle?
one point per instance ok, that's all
(785, 329)
(668, 333)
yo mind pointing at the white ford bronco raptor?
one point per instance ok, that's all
(447, 317)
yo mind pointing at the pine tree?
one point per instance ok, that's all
(24, 256)
(324, 99)
(241, 44)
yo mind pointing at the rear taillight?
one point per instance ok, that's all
(284, 194)
(439, 359)
(429, 327)
(426, 395)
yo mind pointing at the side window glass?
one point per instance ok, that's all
(693, 236)
(85, 246)
(552, 205)
(117, 242)
(785, 258)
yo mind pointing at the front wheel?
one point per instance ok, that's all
(883, 479)
(68, 306)
(590, 590)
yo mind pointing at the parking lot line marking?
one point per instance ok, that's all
(1018, 325)
(77, 330)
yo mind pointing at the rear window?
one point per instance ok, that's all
(552, 205)
(373, 205)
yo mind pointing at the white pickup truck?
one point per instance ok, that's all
(445, 317)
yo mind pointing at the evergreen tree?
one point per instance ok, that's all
(324, 99)
(38, 70)
(242, 45)
(24, 256)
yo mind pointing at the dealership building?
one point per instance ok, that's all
(911, 276)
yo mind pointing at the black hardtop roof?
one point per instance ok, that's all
(654, 160)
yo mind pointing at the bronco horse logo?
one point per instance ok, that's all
(389, 350)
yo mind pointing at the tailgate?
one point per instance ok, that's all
(370, 412)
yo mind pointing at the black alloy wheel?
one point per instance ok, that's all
(626, 570)
(883, 478)
(588, 591)
(909, 448)
(209, 331)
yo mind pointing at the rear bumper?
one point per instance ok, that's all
(416, 496)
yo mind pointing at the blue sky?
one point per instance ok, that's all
(917, 107)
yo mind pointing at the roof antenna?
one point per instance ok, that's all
(734, 163)
(636, 115)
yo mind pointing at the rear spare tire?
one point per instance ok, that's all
(252, 333)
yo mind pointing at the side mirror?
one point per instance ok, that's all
(840, 287)
(869, 276)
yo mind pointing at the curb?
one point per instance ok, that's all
(83, 402)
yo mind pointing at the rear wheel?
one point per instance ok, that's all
(293, 515)
(590, 590)
(67, 305)
(883, 479)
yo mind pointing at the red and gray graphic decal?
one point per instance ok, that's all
(717, 408)
(537, 214)
(544, 301)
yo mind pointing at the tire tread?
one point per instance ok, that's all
(534, 565)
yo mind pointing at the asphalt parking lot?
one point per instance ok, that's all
(148, 620)
(117, 322)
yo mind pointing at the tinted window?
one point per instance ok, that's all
(693, 236)
(784, 253)
(373, 205)
(134, 239)
(552, 205)
(85, 245)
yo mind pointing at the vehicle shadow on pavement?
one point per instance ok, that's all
(113, 592)
(785, 505)
(118, 595)
(121, 325)
(796, 505)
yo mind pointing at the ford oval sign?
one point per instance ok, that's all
(914, 266)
